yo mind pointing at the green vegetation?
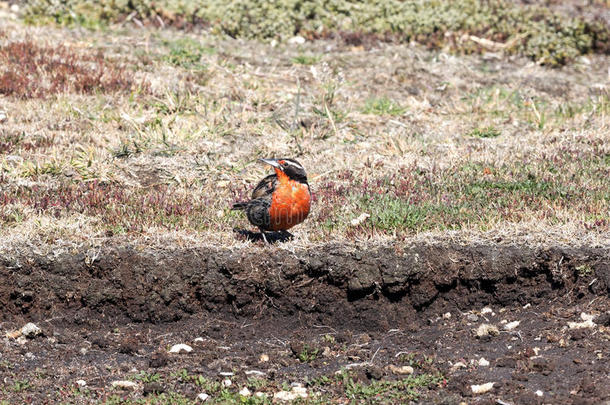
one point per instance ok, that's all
(306, 59)
(536, 32)
(382, 106)
(487, 132)
(308, 354)
(186, 53)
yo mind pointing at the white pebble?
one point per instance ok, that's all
(226, 374)
(481, 389)
(81, 383)
(486, 329)
(511, 325)
(264, 358)
(124, 384)
(539, 393)
(3, 117)
(402, 370)
(447, 315)
(245, 392)
(30, 330)
(486, 310)
(180, 348)
(254, 372)
(227, 383)
(203, 397)
(298, 40)
(483, 362)
(198, 339)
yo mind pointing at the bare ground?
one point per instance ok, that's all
(112, 314)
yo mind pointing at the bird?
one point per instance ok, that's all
(280, 200)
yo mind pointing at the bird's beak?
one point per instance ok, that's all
(272, 162)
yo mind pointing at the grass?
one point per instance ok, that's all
(306, 59)
(545, 36)
(487, 132)
(118, 161)
(382, 106)
(35, 71)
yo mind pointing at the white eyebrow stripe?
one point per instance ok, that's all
(295, 164)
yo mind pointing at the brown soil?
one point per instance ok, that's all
(105, 314)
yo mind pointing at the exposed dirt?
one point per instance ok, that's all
(106, 315)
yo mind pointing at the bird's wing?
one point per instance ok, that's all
(265, 187)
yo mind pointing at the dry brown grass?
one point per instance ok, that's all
(429, 145)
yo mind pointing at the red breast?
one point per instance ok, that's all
(290, 203)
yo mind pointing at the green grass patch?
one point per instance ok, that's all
(486, 132)
(306, 59)
(187, 53)
(382, 106)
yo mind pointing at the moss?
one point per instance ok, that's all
(536, 32)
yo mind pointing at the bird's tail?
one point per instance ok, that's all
(239, 206)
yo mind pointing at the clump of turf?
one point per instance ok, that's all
(536, 32)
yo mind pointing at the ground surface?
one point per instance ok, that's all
(340, 320)
(458, 180)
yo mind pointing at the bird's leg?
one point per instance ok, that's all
(264, 237)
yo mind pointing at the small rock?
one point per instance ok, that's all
(264, 358)
(402, 370)
(3, 117)
(447, 315)
(511, 325)
(326, 352)
(245, 392)
(586, 317)
(15, 8)
(81, 383)
(483, 362)
(254, 372)
(227, 383)
(226, 373)
(539, 393)
(29, 356)
(83, 351)
(153, 388)
(580, 325)
(22, 340)
(294, 393)
(486, 329)
(481, 389)
(30, 330)
(123, 384)
(259, 394)
(486, 310)
(181, 347)
(472, 317)
(198, 339)
(458, 365)
(203, 397)
(296, 40)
